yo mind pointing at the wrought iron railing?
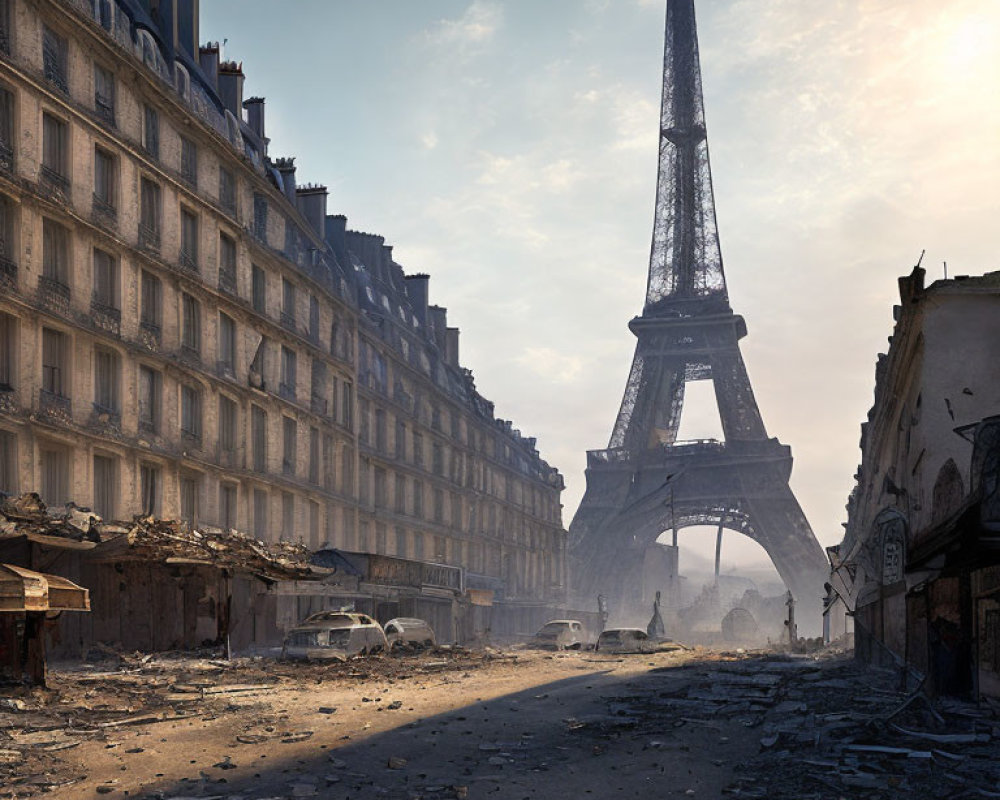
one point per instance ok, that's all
(150, 332)
(286, 390)
(55, 70)
(188, 260)
(227, 280)
(107, 416)
(8, 274)
(52, 402)
(6, 157)
(105, 315)
(149, 236)
(54, 289)
(104, 210)
(55, 183)
(105, 108)
(318, 404)
(288, 321)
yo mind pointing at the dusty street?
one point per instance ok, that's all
(515, 724)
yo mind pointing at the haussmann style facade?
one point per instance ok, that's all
(186, 333)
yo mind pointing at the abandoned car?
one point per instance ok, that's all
(625, 640)
(409, 632)
(334, 635)
(561, 634)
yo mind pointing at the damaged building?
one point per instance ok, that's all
(187, 333)
(918, 571)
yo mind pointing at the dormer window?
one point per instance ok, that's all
(182, 81)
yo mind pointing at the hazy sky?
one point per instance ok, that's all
(509, 149)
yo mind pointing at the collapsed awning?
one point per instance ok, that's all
(24, 590)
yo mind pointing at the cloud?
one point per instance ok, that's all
(476, 26)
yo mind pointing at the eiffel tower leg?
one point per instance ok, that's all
(782, 530)
(738, 410)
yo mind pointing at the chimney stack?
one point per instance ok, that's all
(417, 287)
(186, 16)
(439, 324)
(208, 60)
(286, 168)
(311, 201)
(336, 234)
(231, 87)
(451, 347)
(255, 115)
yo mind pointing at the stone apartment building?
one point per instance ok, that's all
(918, 571)
(185, 332)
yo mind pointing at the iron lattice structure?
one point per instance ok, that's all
(647, 482)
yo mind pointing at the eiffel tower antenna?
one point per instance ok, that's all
(647, 482)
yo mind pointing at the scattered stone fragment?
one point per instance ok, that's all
(396, 763)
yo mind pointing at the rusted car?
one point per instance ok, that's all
(625, 640)
(334, 636)
(561, 634)
(409, 632)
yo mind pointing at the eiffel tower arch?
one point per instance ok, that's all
(647, 481)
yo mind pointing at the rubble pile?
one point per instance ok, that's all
(156, 539)
(826, 729)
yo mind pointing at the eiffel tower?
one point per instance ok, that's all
(647, 482)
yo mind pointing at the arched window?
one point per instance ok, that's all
(949, 492)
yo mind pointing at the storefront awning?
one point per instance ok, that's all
(24, 590)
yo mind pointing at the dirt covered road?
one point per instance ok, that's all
(505, 725)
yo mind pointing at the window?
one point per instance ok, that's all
(227, 345)
(381, 488)
(259, 365)
(104, 94)
(149, 213)
(55, 152)
(288, 303)
(329, 474)
(258, 438)
(55, 475)
(105, 183)
(55, 253)
(259, 289)
(190, 324)
(183, 80)
(438, 505)
(227, 424)
(260, 514)
(149, 488)
(346, 470)
(347, 406)
(189, 239)
(314, 456)
(54, 58)
(189, 161)
(400, 440)
(227, 505)
(418, 546)
(288, 373)
(401, 542)
(260, 217)
(8, 463)
(418, 449)
(8, 345)
(318, 389)
(313, 525)
(287, 515)
(190, 413)
(380, 430)
(190, 491)
(105, 486)
(151, 131)
(227, 190)
(313, 318)
(418, 499)
(5, 32)
(289, 442)
(400, 498)
(54, 373)
(105, 281)
(149, 399)
(6, 127)
(150, 301)
(106, 378)
(437, 455)
(227, 264)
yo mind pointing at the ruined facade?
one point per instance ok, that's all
(186, 333)
(919, 566)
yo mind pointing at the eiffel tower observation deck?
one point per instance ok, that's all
(647, 482)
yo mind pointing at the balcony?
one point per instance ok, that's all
(188, 260)
(318, 404)
(149, 335)
(147, 425)
(55, 70)
(55, 405)
(53, 293)
(105, 316)
(6, 157)
(149, 237)
(9, 401)
(8, 275)
(190, 353)
(288, 468)
(288, 321)
(191, 440)
(286, 390)
(107, 419)
(225, 368)
(105, 108)
(227, 280)
(104, 213)
(227, 458)
(54, 184)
